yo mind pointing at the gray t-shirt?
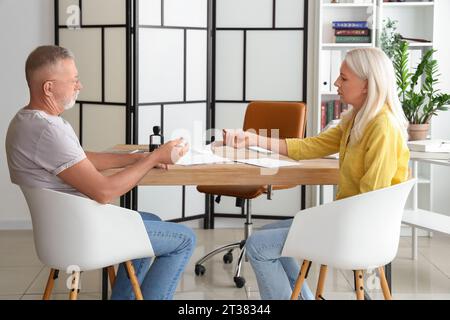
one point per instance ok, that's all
(40, 146)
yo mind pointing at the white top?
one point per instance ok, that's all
(39, 147)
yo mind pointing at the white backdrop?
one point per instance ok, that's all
(24, 25)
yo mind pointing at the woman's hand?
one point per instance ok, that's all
(171, 152)
(238, 139)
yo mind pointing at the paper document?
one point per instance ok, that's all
(260, 150)
(268, 163)
(333, 156)
(198, 156)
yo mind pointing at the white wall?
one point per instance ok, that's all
(24, 25)
(440, 126)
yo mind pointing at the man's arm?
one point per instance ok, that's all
(104, 161)
(85, 177)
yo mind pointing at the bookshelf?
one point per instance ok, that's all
(331, 54)
(407, 13)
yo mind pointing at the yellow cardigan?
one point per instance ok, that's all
(378, 161)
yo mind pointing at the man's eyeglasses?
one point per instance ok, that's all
(73, 82)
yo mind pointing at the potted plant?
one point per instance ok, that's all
(420, 102)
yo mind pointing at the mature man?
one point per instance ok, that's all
(44, 152)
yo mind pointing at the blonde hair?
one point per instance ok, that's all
(373, 65)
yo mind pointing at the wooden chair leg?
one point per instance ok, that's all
(74, 285)
(384, 285)
(359, 284)
(300, 279)
(321, 283)
(112, 275)
(134, 280)
(50, 284)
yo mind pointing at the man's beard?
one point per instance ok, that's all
(69, 105)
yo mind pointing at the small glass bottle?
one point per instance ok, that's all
(156, 139)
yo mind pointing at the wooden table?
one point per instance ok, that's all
(308, 172)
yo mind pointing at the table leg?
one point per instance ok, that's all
(208, 222)
(105, 284)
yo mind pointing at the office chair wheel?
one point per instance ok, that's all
(199, 270)
(228, 257)
(239, 281)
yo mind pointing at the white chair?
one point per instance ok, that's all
(357, 233)
(77, 234)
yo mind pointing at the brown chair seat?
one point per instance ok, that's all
(243, 192)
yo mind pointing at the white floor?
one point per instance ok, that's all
(22, 276)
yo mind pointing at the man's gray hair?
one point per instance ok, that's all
(45, 56)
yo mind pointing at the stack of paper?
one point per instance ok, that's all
(198, 156)
(430, 149)
(429, 146)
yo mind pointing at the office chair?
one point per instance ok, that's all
(290, 119)
(357, 233)
(76, 234)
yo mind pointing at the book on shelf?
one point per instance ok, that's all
(351, 32)
(353, 39)
(331, 110)
(412, 40)
(430, 155)
(438, 146)
(350, 25)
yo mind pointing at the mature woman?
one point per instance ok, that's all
(371, 141)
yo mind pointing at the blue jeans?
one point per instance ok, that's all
(276, 276)
(173, 245)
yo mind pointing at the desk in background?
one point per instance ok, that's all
(424, 219)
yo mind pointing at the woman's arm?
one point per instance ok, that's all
(327, 143)
(240, 139)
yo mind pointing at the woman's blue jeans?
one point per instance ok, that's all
(173, 245)
(276, 276)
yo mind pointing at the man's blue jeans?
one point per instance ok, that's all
(276, 276)
(173, 245)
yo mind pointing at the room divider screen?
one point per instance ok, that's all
(260, 54)
(186, 66)
(172, 83)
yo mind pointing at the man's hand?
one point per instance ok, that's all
(171, 152)
(239, 139)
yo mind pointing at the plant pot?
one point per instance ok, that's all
(418, 131)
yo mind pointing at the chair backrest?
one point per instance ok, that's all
(288, 117)
(75, 231)
(356, 233)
